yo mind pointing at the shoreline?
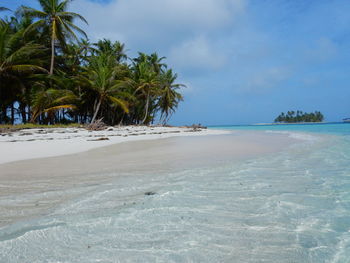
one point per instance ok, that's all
(34, 187)
(278, 124)
(37, 143)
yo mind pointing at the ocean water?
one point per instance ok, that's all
(290, 206)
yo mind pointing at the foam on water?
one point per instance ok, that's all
(297, 135)
(292, 206)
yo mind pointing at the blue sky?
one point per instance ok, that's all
(244, 61)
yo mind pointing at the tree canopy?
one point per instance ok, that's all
(49, 75)
(299, 116)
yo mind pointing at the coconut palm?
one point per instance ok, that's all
(54, 15)
(169, 97)
(101, 77)
(51, 100)
(153, 60)
(145, 83)
(85, 49)
(90, 80)
(156, 62)
(116, 49)
(17, 60)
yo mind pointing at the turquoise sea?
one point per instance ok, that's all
(289, 206)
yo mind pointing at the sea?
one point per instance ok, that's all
(289, 206)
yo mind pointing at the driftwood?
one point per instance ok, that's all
(9, 130)
(196, 127)
(97, 125)
(99, 139)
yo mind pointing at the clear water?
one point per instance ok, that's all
(292, 206)
(327, 128)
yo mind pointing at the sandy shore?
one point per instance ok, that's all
(33, 187)
(41, 143)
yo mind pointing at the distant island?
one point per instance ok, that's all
(299, 116)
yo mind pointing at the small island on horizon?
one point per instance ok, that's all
(299, 116)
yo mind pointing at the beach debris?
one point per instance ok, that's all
(25, 133)
(150, 193)
(8, 130)
(100, 139)
(194, 127)
(197, 127)
(97, 125)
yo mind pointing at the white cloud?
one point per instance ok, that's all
(149, 22)
(197, 53)
(262, 80)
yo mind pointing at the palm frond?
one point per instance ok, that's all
(119, 102)
(31, 12)
(72, 15)
(34, 26)
(60, 107)
(4, 9)
(25, 68)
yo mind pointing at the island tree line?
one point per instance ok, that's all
(299, 116)
(51, 73)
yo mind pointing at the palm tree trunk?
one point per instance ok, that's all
(121, 120)
(12, 113)
(23, 112)
(52, 55)
(97, 110)
(2, 114)
(146, 109)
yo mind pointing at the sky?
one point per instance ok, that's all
(243, 61)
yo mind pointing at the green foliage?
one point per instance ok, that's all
(299, 116)
(87, 81)
(55, 18)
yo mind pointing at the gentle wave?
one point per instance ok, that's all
(297, 135)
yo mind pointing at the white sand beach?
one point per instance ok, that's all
(49, 142)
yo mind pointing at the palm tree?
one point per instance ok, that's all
(156, 62)
(153, 60)
(51, 100)
(146, 83)
(116, 49)
(120, 51)
(17, 59)
(169, 96)
(85, 48)
(54, 15)
(101, 77)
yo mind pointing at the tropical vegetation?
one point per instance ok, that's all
(51, 73)
(299, 116)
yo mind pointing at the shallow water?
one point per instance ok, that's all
(291, 206)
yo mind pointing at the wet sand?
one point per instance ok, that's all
(24, 182)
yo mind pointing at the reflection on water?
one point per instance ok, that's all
(291, 206)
